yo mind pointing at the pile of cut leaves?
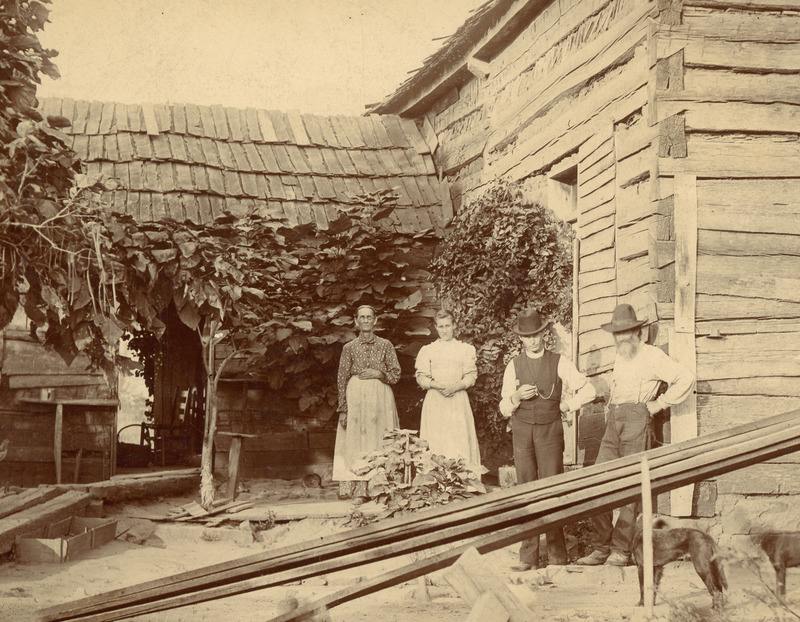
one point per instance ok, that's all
(406, 476)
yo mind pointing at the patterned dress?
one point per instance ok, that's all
(369, 404)
(447, 423)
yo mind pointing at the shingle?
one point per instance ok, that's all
(424, 219)
(374, 162)
(239, 156)
(298, 129)
(291, 212)
(265, 125)
(120, 117)
(332, 163)
(339, 131)
(320, 217)
(268, 158)
(133, 205)
(210, 152)
(110, 147)
(161, 149)
(346, 163)
(368, 132)
(93, 120)
(263, 186)
(340, 188)
(95, 147)
(234, 124)
(207, 121)
(178, 147)
(179, 118)
(307, 186)
(253, 131)
(276, 190)
(136, 175)
(416, 161)
(93, 169)
(225, 154)
(166, 177)
(298, 159)
(151, 177)
(80, 145)
(158, 206)
(253, 159)
(282, 156)
(164, 117)
(328, 133)
(134, 117)
(235, 206)
(183, 177)
(68, 111)
(351, 129)
(190, 207)
(414, 136)
(403, 197)
(50, 106)
(411, 189)
(324, 187)
(280, 126)
(195, 149)
(305, 213)
(291, 187)
(402, 162)
(313, 129)
(204, 207)
(233, 186)
(150, 120)
(389, 163)
(175, 206)
(217, 205)
(199, 178)
(107, 118)
(122, 175)
(362, 166)
(315, 161)
(354, 188)
(429, 191)
(275, 210)
(107, 170)
(193, 123)
(79, 120)
(395, 131)
(220, 122)
(145, 206)
(215, 181)
(380, 131)
(250, 184)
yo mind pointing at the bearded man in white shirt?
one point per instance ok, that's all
(639, 370)
(532, 399)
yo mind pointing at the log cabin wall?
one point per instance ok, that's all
(725, 104)
(566, 95)
(28, 371)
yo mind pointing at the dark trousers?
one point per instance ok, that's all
(627, 432)
(538, 453)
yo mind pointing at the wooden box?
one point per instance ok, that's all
(65, 540)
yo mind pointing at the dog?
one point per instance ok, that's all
(783, 550)
(670, 545)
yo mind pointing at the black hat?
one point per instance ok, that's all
(623, 318)
(530, 323)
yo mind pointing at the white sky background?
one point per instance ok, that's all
(319, 56)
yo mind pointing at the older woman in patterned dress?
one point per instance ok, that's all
(367, 368)
(446, 368)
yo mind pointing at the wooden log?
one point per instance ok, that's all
(35, 518)
(770, 27)
(114, 491)
(27, 498)
(723, 460)
(724, 86)
(155, 474)
(550, 488)
(717, 409)
(34, 381)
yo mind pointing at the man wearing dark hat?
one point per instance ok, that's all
(639, 370)
(531, 397)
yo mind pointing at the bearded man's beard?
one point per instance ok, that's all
(625, 350)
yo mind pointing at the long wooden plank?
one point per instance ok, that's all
(511, 527)
(27, 498)
(551, 488)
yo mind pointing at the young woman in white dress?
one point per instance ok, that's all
(446, 368)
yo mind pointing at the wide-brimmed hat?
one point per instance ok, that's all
(529, 323)
(623, 318)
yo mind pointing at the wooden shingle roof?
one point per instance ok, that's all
(194, 162)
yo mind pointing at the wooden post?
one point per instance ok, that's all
(210, 427)
(76, 474)
(233, 466)
(647, 537)
(571, 445)
(683, 420)
(57, 440)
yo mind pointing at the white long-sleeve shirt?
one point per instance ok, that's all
(584, 391)
(636, 380)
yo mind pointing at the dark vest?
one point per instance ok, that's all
(542, 373)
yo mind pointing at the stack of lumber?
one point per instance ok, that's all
(488, 523)
(30, 512)
(140, 485)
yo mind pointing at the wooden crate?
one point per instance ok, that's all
(65, 540)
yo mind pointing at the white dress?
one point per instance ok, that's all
(447, 423)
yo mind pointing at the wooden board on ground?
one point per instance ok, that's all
(26, 499)
(115, 490)
(36, 518)
(298, 511)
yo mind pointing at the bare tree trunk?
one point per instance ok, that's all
(210, 427)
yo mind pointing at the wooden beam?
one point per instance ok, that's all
(735, 447)
(479, 68)
(683, 420)
(12, 504)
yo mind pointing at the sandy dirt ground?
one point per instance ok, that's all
(603, 594)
